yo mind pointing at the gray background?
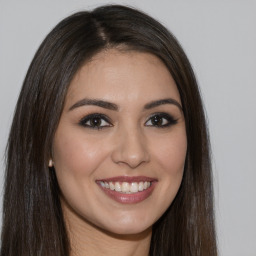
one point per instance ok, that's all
(220, 39)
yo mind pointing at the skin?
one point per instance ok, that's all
(130, 144)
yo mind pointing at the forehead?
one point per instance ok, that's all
(123, 76)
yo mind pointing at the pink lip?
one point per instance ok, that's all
(129, 198)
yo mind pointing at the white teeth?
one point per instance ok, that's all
(125, 187)
(141, 186)
(118, 187)
(111, 186)
(134, 187)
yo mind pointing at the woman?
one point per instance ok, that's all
(108, 151)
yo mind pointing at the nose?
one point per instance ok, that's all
(130, 149)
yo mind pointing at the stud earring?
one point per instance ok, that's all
(50, 163)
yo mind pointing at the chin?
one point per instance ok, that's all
(125, 231)
(125, 227)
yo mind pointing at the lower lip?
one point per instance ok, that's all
(129, 198)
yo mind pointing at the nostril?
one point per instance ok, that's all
(131, 150)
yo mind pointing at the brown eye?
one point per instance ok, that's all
(157, 120)
(161, 120)
(95, 121)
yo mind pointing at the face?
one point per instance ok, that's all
(120, 146)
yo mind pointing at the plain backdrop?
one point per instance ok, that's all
(219, 38)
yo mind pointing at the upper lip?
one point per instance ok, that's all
(128, 179)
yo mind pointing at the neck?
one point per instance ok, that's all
(86, 239)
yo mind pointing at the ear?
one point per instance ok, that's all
(50, 163)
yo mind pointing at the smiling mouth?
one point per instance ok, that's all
(126, 187)
(128, 190)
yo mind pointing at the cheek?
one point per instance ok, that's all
(75, 167)
(71, 154)
(171, 153)
(170, 158)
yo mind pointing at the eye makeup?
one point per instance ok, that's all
(161, 120)
(100, 121)
(95, 121)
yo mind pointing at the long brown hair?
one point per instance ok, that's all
(32, 218)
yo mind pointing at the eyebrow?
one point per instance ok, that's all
(157, 103)
(113, 106)
(95, 102)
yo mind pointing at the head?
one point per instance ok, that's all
(106, 35)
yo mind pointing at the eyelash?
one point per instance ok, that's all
(169, 120)
(165, 118)
(96, 116)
